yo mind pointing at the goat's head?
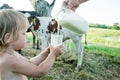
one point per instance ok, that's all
(34, 22)
(53, 26)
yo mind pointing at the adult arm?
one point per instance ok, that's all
(73, 4)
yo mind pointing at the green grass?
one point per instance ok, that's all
(98, 36)
(29, 37)
(97, 42)
(100, 49)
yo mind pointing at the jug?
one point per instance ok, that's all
(72, 21)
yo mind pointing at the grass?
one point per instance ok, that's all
(97, 41)
(98, 36)
(101, 59)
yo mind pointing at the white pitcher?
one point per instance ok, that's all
(72, 21)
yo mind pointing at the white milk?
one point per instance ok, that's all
(56, 39)
(72, 21)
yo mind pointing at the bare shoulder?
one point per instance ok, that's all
(5, 60)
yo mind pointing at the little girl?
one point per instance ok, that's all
(13, 66)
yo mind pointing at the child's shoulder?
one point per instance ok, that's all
(7, 60)
(4, 61)
(5, 57)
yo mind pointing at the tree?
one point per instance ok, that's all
(116, 26)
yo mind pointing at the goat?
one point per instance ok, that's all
(67, 34)
(50, 26)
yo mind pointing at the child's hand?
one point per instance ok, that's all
(57, 51)
(47, 51)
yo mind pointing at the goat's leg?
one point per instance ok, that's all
(67, 45)
(80, 56)
(38, 44)
(86, 39)
(44, 42)
(79, 48)
(33, 41)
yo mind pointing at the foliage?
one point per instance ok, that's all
(116, 26)
(98, 25)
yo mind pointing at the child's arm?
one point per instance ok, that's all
(48, 62)
(40, 57)
(24, 67)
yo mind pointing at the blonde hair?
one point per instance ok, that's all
(11, 22)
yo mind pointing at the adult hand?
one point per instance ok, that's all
(73, 4)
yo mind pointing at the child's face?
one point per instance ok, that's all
(20, 43)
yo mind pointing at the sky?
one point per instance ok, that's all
(94, 11)
(101, 11)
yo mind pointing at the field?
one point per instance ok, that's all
(101, 58)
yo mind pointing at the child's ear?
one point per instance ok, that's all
(7, 38)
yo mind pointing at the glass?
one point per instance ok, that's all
(56, 40)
